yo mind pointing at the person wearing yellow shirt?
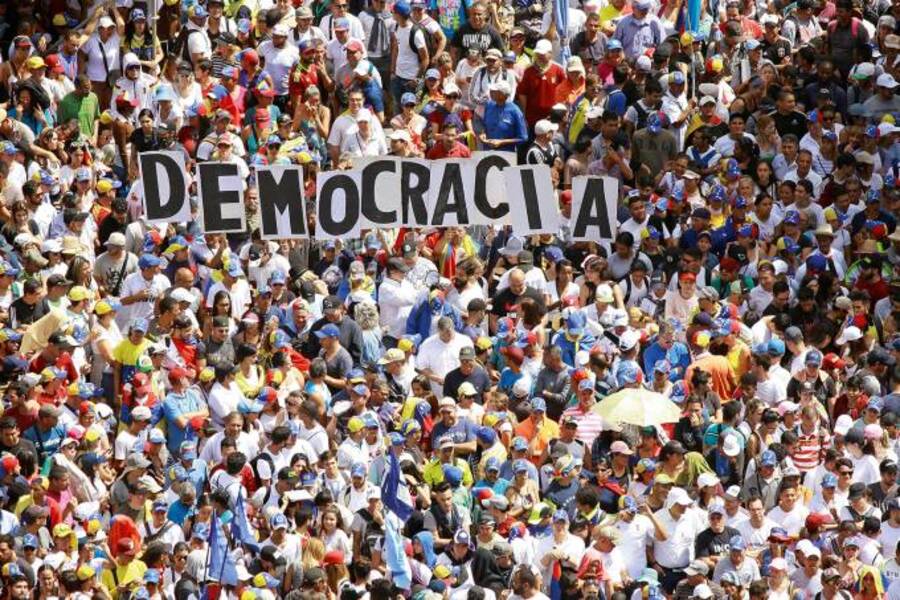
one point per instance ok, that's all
(127, 353)
(126, 572)
(491, 447)
(610, 13)
(433, 473)
(538, 430)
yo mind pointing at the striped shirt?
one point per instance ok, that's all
(590, 424)
(807, 454)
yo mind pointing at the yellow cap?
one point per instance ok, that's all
(79, 293)
(73, 388)
(35, 62)
(716, 64)
(484, 343)
(442, 571)
(888, 118)
(59, 20)
(355, 424)
(687, 38)
(258, 581)
(663, 479)
(62, 530)
(405, 344)
(106, 118)
(85, 572)
(207, 374)
(830, 214)
(91, 435)
(104, 186)
(103, 307)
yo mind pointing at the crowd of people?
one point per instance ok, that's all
(705, 406)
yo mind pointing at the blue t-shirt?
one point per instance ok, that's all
(174, 406)
(462, 432)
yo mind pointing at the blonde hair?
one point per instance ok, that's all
(313, 553)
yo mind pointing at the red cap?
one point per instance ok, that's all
(566, 197)
(250, 57)
(181, 373)
(140, 383)
(833, 361)
(513, 354)
(124, 101)
(687, 277)
(54, 64)
(86, 408)
(333, 557)
(729, 264)
(817, 520)
(125, 544)
(354, 46)
(9, 463)
(197, 423)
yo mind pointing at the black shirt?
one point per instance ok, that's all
(478, 378)
(793, 122)
(468, 37)
(710, 543)
(22, 313)
(505, 300)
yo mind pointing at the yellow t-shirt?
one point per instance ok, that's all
(127, 353)
(131, 574)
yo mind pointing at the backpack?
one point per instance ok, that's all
(253, 464)
(854, 27)
(181, 47)
(430, 44)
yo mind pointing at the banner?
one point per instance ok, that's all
(381, 192)
(282, 209)
(221, 192)
(594, 208)
(165, 181)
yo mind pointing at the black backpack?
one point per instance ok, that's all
(430, 44)
(180, 47)
(253, 463)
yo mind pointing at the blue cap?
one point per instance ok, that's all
(410, 426)
(234, 269)
(358, 470)
(751, 44)
(160, 505)
(397, 439)
(509, 56)
(813, 357)
(873, 197)
(538, 405)
(151, 576)
(830, 480)
(156, 436)
(9, 148)
(147, 261)
(432, 74)
(30, 541)
(246, 407)
(553, 254)
(717, 194)
(492, 464)
(520, 466)
(141, 325)
(560, 515)
(816, 262)
(307, 478)
(613, 44)
(768, 459)
(273, 140)
(628, 373)
(733, 168)
(829, 135)
(83, 174)
(188, 450)
(402, 8)
(306, 44)
(165, 92)
(200, 531)
(218, 92)
(519, 443)
(343, 23)
(575, 323)
(244, 25)
(737, 543)
(361, 389)
(776, 347)
(198, 11)
(486, 435)
(141, 593)
(408, 98)
(792, 217)
(739, 202)
(330, 330)
(654, 125)
(230, 72)
(875, 404)
(368, 419)
(277, 278)
(663, 366)
(653, 233)
(278, 521)
(677, 77)
(453, 475)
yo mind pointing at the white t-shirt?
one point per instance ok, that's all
(132, 285)
(792, 521)
(633, 543)
(441, 358)
(94, 49)
(124, 444)
(677, 550)
(239, 294)
(407, 60)
(279, 62)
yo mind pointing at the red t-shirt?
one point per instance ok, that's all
(540, 89)
(877, 290)
(458, 150)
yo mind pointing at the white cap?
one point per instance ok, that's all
(885, 129)
(628, 340)
(677, 495)
(582, 358)
(594, 112)
(544, 126)
(865, 69)
(129, 60)
(400, 134)
(643, 63)
(116, 238)
(362, 68)
(702, 591)
(451, 88)
(543, 47)
(850, 334)
(604, 294)
(730, 446)
(181, 295)
(707, 480)
(843, 424)
(52, 245)
(886, 80)
(575, 64)
(733, 492)
(707, 100)
(106, 22)
(363, 116)
(280, 30)
(769, 18)
(502, 87)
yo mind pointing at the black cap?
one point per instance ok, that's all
(224, 368)
(59, 339)
(120, 205)
(467, 353)
(220, 321)
(476, 304)
(331, 303)
(313, 575)
(857, 490)
(409, 250)
(525, 257)
(225, 37)
(701, 213)
(272, 555)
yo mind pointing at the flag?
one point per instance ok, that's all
(555, 583)
(692, 23)
(390, 487)
(561, 14)
(221, 564)
(395, 555)
(240, 527)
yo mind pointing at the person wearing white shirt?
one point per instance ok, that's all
(396, 298)
(237, 288)
(637, 531)
(560, 545)
(439, 354)
(340, 20)
(353, 450)
(346, 125)
(280, 57)
(216, 448)
(675, 551)
(140, 291)
(756, 529)
(789, 513)
(224, 396)
(364, 139)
